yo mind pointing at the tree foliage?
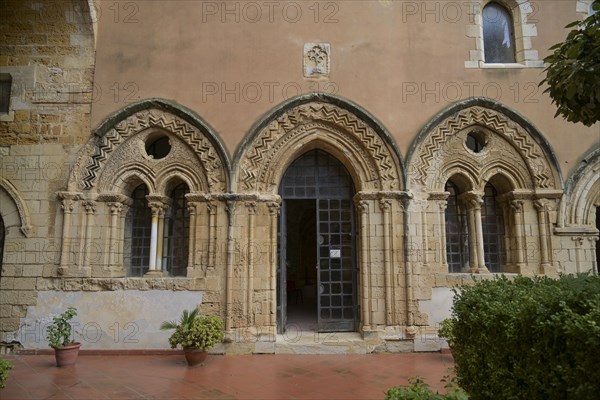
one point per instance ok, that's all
(573, 73)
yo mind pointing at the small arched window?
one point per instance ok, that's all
(492, 223)
(498, 34)
(177, 233)
(457, 238)
(137, 237)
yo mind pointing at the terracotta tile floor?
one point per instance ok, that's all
(221, 377)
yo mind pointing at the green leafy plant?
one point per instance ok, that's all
(573, 70)
(446, 331)
(419, 390)
(5, 366)
(60, 332)
(201, 332)
(528, 338)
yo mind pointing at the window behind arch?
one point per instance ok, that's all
(457, 238)
(498, 34)
(137, 236)
(177, 233)
(492, 223)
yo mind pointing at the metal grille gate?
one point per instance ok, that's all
(320, 177)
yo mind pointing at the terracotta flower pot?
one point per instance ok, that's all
(194, 356)
(66, 355)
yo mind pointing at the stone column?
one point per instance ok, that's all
(90, 210)
(157, 208)
(362, 207)
(541, 206)
(113, 235)
(386, 208)
(274, 209)
(192, 208)
(474, 201)
(443, 204)
(161, 239)
(230, 259)
(67, 204)
(212, 229)
(516, 207)
(251, 207)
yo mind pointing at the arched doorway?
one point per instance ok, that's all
(317, 271)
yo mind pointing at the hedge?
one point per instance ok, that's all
(528, 338)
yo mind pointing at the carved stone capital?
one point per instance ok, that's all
(516, 206)
(251, 206)
(541, 205)
(90, 206)
(385, 205)
(158, 208)
(274, 208)
(115, 207)
(472, 200)
(362, 206)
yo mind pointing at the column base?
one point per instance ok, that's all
(155, 273)
(480, 270)
(546, 269)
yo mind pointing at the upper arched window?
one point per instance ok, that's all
(137, 235)
(498, 34)
(492, 223)
(177, 233)
(457, 237)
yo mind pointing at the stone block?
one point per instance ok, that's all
(24, 283)
(5, 310)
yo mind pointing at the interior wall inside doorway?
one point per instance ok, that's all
(301, 271)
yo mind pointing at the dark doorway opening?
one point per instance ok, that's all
(317, 271)
(301, 264)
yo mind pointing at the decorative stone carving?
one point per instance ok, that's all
(261, 164)
(316, 59)
(88, 168)
(531, 159)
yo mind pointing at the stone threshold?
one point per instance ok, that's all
(104, 352)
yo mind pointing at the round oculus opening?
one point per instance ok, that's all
(158, 147)
(475, 142)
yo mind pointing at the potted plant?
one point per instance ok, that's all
(60, 338)
(196, 334)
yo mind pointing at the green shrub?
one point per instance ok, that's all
(60, 331)
(4, 367)
(530, 338)
(419, 390)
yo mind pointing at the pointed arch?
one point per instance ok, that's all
(519, 150)
(24, 219)
(336, 125)
(582, 192)
(171, 118)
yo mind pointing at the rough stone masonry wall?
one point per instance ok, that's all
(47, 47)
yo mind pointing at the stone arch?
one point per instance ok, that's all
(174, 119)
(528, 157)
(336, 125)
(14, 210)
(582, 192)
